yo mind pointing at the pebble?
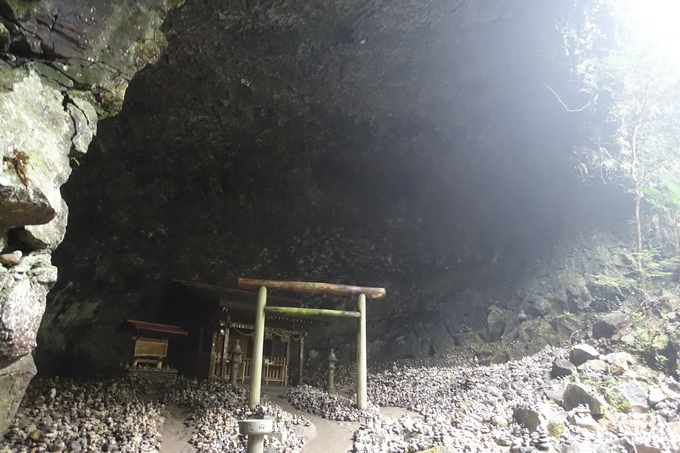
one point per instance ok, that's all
(452, 401)
(467, 407)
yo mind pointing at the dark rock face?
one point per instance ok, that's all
(413, 146)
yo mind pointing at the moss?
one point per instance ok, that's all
(21, 8)
(176, 3)
(146, 52)
(10, 77)
(618, 401)
(555, 429)
(54, 78)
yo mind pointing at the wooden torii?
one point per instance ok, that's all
(315, 288)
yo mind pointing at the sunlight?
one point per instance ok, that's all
(655, 24)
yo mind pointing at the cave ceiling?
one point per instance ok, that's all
(382, 143)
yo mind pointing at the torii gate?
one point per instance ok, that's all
(315, 288)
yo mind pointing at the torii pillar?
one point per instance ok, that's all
(315, 288)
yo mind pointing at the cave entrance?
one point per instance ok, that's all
(315, 288)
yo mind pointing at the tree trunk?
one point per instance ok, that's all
(638, 231)
(638, 198)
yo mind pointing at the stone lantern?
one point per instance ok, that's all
(332, 360)
(236, 354)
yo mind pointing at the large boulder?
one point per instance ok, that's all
(544, 415)
(562, 368)
(495, 323)
(635, 398)
(606, 326)
(23, 289)
(13, 382)
(582, 353)
(580, 394)
(619, 362)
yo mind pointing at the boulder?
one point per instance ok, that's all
(544, 415)
(655, 396)
(582, 353)
(635, 398)
(577, 394)
(14, 379)
(22, 304)
(585, 421)
(495, 322)
(619, 362)
(554, 393)
(562, 368)
(536, 306)
(594, 366)
(609, 324)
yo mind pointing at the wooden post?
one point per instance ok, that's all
(211, 369)
(313, 287)
(225, 352)
(362, 393)
(301, 372)
(258, 345)
(285, 381)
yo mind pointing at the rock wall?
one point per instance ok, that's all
(63, 66)
(413, 146)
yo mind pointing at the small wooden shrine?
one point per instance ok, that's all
(151, 341)
(231, 319)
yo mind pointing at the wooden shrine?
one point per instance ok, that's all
(230, 318)
(151, 341)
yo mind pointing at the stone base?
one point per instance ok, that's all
(13, 382)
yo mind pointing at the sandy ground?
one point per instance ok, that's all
(175, 434)
(325, 436)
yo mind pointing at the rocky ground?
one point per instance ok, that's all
(125, 415)
(591, 396)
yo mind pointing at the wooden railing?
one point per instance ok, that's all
(274, 370)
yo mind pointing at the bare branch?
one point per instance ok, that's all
(592, 96)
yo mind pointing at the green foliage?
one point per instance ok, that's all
(556, 429)
(644, 340)
(652, 266)
(636, 146)
(618, 401)
(637, 317)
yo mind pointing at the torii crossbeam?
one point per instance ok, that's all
(315, 288)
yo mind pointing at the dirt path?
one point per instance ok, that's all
(175, 433)
(324, 436)
(327, 437)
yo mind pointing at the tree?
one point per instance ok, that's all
(638, 144)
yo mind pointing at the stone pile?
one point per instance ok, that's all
(551, 401)
(216, 407)
(124, 415)
(76, 417)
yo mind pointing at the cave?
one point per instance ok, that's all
(474, 159)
